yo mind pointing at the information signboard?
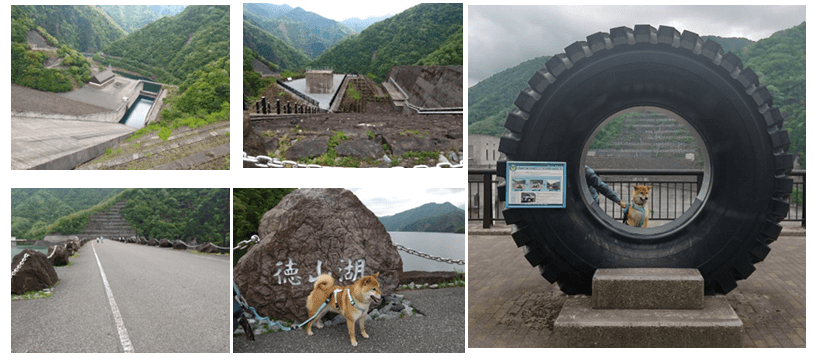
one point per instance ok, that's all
(535, 184)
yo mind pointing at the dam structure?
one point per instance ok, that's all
(58, 131)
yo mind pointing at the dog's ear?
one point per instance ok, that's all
(376, 275)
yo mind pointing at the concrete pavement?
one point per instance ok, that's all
(511, 305)
(441, 329)
(168, 300)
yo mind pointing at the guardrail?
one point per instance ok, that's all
(673, 191)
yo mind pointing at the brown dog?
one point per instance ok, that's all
(637, 212)
(352, 302)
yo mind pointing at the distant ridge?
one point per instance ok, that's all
(427, 218)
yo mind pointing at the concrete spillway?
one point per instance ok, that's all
(137, 113)
(60, 131)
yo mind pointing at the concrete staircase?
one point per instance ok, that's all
(650, 135)
(109, 224)
(206, 147)
(647, 308)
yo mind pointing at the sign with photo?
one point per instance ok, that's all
(535, 184)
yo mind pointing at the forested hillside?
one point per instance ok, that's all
(53, 66)
(403, 39)
(32, 208)
(130, 17)
(273, 48)
(779, 60)
(427, 218)
(306, 31)
(491, 100)
(81, 27)
(249, 206)
(179, 44)
(186, 214)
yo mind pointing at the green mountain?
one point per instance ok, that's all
(305, 30)
(427, 218)
(780, 61)
(179, 44)
(54, 66)
(32, 208)
(450, 52)
(491, 100)
(81, 27)
(403, 39)
(130, 17)
(202, 214)
(273, 48)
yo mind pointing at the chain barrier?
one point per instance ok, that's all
(428, 256)
(246, 243)
(261, 161)
(256, 239)
(25, 257)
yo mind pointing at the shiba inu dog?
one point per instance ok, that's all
(637, 213)
(352, 301)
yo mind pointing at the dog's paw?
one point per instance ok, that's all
(364, 335)
(354, 343)
(319, 324)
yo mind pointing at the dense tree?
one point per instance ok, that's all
(403, 39)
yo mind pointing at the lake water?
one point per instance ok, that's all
(451, 246)
(16, 249)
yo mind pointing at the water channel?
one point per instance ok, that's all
(137, 113)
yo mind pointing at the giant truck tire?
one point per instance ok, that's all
(744, 195)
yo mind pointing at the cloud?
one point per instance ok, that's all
(500, 37)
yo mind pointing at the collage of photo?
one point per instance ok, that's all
(626, 177)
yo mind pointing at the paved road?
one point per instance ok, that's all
(440, 330)
(168, 301)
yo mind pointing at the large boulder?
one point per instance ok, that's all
(208, 248)
(164, 243)
(35, 274)
(58, 255)
(179, 245)
(314, 231)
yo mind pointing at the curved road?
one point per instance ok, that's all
(167, 301)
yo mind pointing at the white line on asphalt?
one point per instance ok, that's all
(126, 345)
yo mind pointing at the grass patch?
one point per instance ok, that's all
(42, 294)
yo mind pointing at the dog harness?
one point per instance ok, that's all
(336, 304)
(630, 205)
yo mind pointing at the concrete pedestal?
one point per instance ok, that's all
(647, 308)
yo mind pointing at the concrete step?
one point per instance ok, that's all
(645, 288)
(579, 325)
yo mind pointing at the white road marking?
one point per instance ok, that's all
(125, 340)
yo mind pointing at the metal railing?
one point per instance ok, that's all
(673, 191)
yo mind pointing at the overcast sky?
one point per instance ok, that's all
(390, 201)
(341, 10)
(500, 37)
